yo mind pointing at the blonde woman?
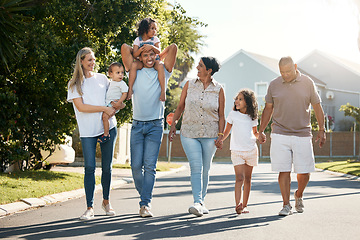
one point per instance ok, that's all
(87, 91)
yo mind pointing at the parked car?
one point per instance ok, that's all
(63, 154)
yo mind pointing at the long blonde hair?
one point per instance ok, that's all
(78, 74)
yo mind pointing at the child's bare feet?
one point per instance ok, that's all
(245, 210)
(129, 94)
(163, 96)
(239, 208)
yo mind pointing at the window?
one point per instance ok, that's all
(261, 88)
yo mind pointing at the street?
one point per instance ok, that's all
(331, 212)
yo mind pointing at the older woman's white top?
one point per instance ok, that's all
(201, 114)
(94, 93)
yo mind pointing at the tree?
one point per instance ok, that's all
(12, 22)
(35, 114)
(351, 111)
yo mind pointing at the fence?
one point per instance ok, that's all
(338, 144)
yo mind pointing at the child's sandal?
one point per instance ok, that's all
(239, 208)
(103, 138)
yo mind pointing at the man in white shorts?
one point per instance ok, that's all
(288, 102)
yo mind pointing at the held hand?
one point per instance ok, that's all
(147, 47)
(321, 135)
(118, 105)
(219, 142)
(172, 133)
(262, 137)
(110, 111)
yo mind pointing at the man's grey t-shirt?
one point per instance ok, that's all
(291, 102)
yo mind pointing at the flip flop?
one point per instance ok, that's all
(103, 138)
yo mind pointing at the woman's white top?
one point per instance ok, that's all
(242, 136)
(94, 92)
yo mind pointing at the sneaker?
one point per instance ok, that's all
(204, 209)
(286, 210)
(108, 209)
(89, 214)
(145, 212)
(299, 205)
(196, 209)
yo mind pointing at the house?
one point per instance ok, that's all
(246, 70)
(342, 84)
(337, 81)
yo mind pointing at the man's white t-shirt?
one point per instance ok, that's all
(242, 136)
(94, 92)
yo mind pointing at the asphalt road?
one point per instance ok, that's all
(331, 212)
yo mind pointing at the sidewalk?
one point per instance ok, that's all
(120, 177)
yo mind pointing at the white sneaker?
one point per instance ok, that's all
(299, 205)
(196, 209)
(286, 210)
(145, 212)
(108, 209)
(204, 209)
(88, 214)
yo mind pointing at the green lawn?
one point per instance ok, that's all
(348, 167)
(34, 184)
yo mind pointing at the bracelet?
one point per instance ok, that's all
(220, 134)
(322, 130)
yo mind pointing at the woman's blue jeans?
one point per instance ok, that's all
(107, 151)
(145, 144)
(200, 153)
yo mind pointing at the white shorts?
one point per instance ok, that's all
(287, 150)
(245, 157)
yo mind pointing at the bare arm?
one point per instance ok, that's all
(137, 51)
(119, 104)
(265, 119)
(179, 110)
(79, 104)
(227, 131)
(319, 114)
(255, 132)
(218, 141)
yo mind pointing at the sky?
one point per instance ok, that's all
(276, 28)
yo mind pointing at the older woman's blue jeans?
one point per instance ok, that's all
(200, 153)
(88, 145)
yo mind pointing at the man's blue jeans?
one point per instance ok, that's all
(88, 145)
(200, 153)
(145, 144)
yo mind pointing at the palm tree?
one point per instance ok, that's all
(11, 25)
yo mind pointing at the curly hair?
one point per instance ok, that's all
(144, 26)
(251, 103)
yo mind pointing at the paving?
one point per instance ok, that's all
(331, 211)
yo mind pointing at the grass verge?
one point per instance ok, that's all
(34, 184)
(161, 166)
(348, 167)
